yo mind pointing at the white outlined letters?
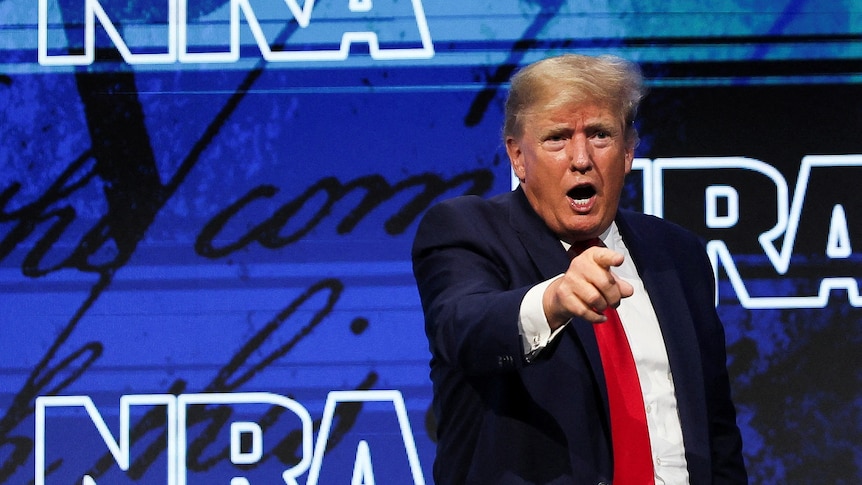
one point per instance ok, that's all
(391, 30)
(50, 409)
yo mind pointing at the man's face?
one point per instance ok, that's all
(572, 162)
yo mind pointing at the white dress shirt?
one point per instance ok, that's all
(645, 339)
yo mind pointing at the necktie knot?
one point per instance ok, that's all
(580, 246)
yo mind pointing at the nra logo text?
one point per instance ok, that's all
(196, 31)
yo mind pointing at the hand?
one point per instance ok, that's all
(586, 289)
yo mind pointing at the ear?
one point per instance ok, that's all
(516, 157)
(630, 157)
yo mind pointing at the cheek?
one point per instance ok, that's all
(553, 166)
(548, 174)
(614, 185)
(560, 157)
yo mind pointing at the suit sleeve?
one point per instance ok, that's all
(464, 281)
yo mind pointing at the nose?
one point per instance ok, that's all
(580, 156)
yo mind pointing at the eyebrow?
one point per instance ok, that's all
(602, 125)
(562, 129)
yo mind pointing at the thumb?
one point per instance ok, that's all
(626, 288)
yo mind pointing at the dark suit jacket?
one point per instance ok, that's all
(502, 420)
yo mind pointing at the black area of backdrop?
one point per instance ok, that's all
(778, 124)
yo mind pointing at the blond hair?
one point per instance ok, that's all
(571, 78)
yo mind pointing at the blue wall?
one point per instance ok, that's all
(191, 221)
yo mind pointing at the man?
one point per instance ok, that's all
(521, 393)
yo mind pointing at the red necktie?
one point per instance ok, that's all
(629, 434)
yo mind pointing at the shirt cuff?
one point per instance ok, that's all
(535, 330)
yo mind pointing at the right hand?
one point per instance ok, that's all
(586, 289)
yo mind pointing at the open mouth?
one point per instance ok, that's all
(581, 195)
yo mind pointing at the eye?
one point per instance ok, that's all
(601, 134)
(602, 138)
(555, 136)
(554, 142)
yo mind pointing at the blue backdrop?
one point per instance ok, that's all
(207, 207)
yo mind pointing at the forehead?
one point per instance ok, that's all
(571, 114)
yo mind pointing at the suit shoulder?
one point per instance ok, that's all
(472, 203)
(471, 209)
(467, 221)
(651, 226)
